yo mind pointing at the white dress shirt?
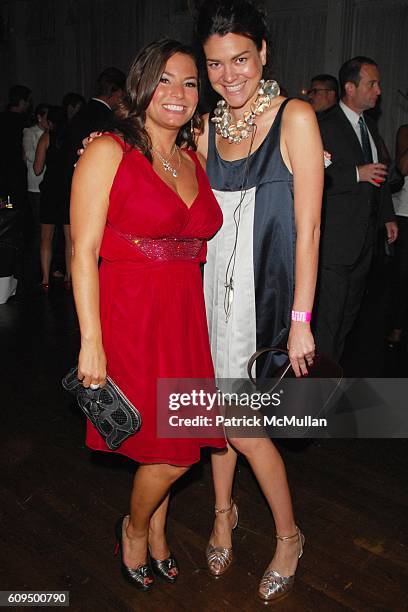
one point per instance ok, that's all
(354, 117)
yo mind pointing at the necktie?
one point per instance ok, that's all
(365, 142)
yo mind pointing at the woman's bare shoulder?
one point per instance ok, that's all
(44, 138)
(101, 156)
(103, 146)
(298, 110)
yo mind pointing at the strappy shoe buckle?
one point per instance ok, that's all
(273, 585)
(220, 558)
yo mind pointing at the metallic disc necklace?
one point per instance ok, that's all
(241, 129)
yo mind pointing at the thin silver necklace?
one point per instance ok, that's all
(166, 162)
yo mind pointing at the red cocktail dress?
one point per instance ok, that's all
(151, 299)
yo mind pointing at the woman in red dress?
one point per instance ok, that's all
(142, 202)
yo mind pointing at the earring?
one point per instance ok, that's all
(192, 128)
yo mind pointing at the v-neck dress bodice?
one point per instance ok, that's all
(151, 298)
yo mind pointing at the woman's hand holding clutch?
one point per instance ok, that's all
(92, 364)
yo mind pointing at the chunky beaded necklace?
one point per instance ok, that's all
(236, 132)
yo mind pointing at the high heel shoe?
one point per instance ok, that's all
(137, 576)
(45, 287)
(273, 585)
(219, 558)
(162, 568)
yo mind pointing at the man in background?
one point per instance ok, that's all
(13, 170)
(96, 114)
(323, 92)
(13, 185)
(357, 201)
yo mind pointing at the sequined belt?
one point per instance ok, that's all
(164, 249)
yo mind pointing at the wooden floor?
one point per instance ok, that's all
(59, 501)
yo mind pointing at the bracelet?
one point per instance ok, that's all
(304, 317)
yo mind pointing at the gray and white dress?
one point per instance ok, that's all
(263, 277)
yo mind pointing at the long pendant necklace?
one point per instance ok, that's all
(236, 132)
(230, 271)
(166, 162)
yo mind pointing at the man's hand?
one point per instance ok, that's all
(392, 231)
(372, 173)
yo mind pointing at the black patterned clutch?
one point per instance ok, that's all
(108, 409)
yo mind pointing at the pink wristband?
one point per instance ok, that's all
(304, 317)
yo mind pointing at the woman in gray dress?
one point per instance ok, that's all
(265, 165)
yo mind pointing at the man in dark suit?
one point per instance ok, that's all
(357, 201)
(13, 169)
(323, 92)
(95, 115)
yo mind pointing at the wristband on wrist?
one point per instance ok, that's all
(299, 315)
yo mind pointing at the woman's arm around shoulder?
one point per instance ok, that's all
(40, 153)
(91, 185)
(202, 160)
(202, 141)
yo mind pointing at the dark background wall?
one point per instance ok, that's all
(55, 46)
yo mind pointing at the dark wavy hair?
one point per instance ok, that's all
(243, 17)
(143, 78)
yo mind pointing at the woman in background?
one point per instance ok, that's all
(72, 103)
(31, 136)
(54, 203)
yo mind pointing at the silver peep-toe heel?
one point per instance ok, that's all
(273, 586)
(219, 558)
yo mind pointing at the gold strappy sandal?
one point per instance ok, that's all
(273, 586)
(219, 558)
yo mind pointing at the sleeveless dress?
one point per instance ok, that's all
(151, 298)
(263, 276)
(54, 201)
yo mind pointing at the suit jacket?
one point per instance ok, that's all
(93, 117)
(13, 170)
(348, 204)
